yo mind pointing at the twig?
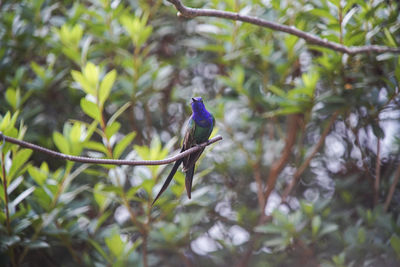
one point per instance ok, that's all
(392, 188)
(305, 164)
(310, 38)
(377, 172)
(278, 165)
(109, 161)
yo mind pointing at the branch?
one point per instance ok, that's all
(279, 164)
(109, 161)
(310, 38)
(392, 188)
(377, 172)
(305, 164)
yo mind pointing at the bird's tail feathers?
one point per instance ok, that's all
(168, 180)
(188, 181)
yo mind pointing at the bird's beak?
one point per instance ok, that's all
(193, 99)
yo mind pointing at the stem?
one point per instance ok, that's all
(279, 164)
(392, 188)
(145, 264)
(3, 167)
(377, 173)
(305, 164)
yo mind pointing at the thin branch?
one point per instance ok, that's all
(392, 188)
(109, 161)
(310, 38)
(377, 172)
(305, 164)
(278, 165)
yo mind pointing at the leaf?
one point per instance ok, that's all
(37, 244)
(39, 71)
(118, 112)
(37, 175)
(75, 134)
(106, 85)
(91, 73)
(61, 143)
(90, 109)
(5, 122)
(378, 131)
(315, 225)
(115, 244)
(112, 129)
(84, 83)
(19, 159)
(269, 229)
(23, 195)
(100, 250)
(395, 243)
(123, 144)
(96, 146)
(12, 97)
(102, 198)
(389, 37)
(14, 184)
(328, 228)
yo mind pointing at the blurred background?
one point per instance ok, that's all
(307, 172)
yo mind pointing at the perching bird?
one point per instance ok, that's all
(198, 131)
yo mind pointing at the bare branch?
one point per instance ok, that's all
(310, 38)
(279, 164)
(305, 164)
(109, 161)
(377, 172)
(392, 188)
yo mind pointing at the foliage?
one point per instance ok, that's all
(113, 79)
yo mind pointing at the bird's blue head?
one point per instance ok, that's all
(197, 105)
(200, 113)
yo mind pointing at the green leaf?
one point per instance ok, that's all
(13, 97)
(37, 175)
(102, 198)
(90, 109)
(96, 146)
(395, 243)
(361, 235)
(75, 134)
(106, 85)
(389, 37)
(328, 228)
(19, 159)
(269, 229)
(5, 121)
(37, 244)
(91, 73)
(115, 244)
(61, 143)
(87, 87)
(315, 225)
(123, 144)
(39, 71)
(112, 129)
(100, 250)
(23, 195)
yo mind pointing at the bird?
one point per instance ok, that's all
(198, 130)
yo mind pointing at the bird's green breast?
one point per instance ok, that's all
(201, 134)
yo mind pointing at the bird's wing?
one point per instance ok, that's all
(188, 140)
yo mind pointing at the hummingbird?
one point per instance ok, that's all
(198, 130)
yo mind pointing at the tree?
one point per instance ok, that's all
(308, 168)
